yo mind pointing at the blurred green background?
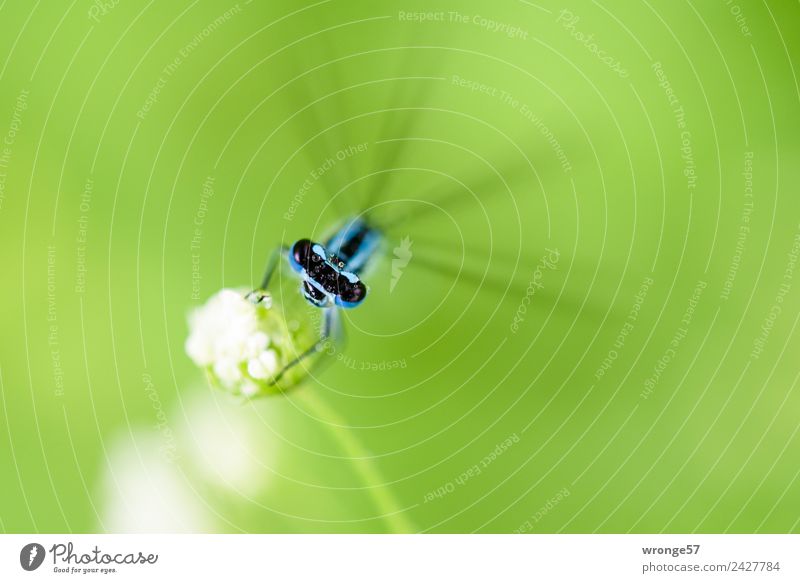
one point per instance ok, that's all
(594, 331)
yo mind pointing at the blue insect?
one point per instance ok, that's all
(330, 274)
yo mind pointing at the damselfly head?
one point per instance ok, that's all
(325, 280)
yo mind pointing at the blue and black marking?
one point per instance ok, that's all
(330, 272)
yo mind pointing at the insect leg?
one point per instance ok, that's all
(329, 327)
(272, 264)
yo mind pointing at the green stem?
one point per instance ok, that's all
(382, 497)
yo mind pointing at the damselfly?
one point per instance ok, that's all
(329, 274)
(265, 344)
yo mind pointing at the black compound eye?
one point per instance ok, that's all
(301, 251)
(353, 293)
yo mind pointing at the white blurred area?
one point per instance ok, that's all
(209, 454)
(229, 443)
(143, 491)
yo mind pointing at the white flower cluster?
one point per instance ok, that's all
(239, 340)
